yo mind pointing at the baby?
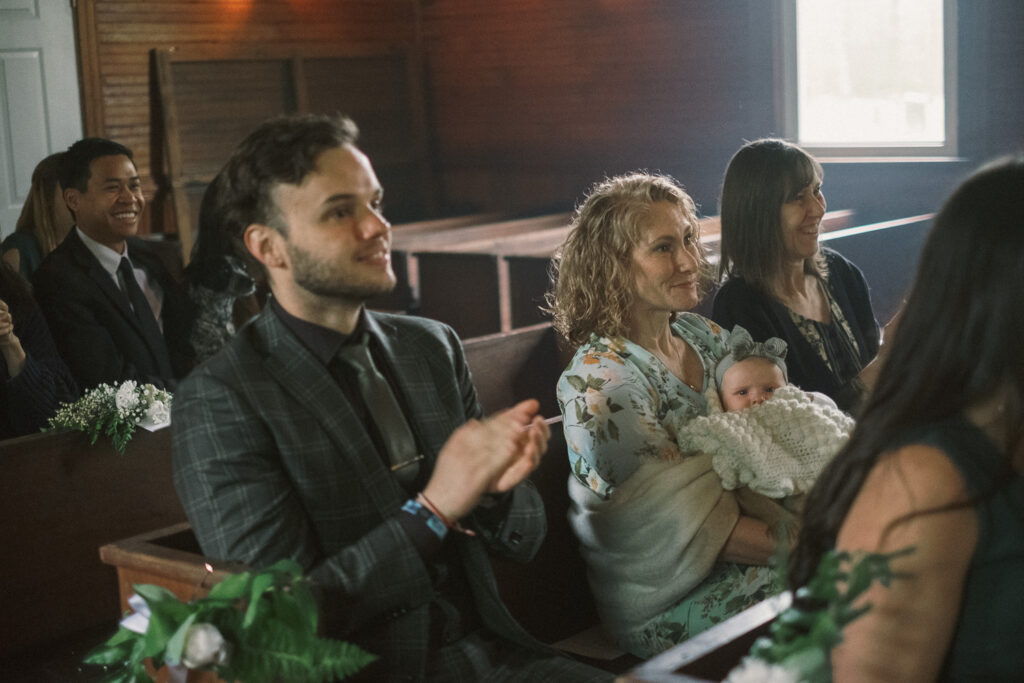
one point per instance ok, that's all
(763, 433)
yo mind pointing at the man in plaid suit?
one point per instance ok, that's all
(279, 452)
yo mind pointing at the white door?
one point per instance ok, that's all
(40, 111)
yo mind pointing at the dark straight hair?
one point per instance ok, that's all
(957, 344)
(762, 176)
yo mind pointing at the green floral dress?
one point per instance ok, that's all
(620, 405)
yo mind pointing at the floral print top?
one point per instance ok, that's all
(822, 336)
(620, 403)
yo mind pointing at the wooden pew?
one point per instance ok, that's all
(489, 285)
(550, 596)
(498, 284)
(405, 253)
(467, 285)
(509, 367)
(61, 500)
(168, 557)
(710, 655)
(402, 297)
(473, 231)
(470, 287)
(887, 253)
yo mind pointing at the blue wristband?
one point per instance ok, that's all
(414, 508)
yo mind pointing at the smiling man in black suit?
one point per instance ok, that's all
(115, 311)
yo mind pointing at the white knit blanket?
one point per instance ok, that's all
(654, 540)
(777, 448)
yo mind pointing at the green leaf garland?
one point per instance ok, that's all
(268, 617)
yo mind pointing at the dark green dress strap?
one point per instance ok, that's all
(987, 642)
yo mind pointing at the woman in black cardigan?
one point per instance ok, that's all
(781, 283)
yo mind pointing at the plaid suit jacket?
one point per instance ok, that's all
(270, 461)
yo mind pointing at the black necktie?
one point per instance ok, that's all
(144, 314)
(386, 413)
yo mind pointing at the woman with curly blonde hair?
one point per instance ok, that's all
(668, 551)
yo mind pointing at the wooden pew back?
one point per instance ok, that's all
(498, 282)
(887, 254)
(405, 244)
(403, 296)
(509, 367)
(423, 241)
(550, 595)
(62, 499)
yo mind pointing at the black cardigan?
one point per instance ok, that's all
(739, 303)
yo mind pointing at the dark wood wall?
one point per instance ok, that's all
(535, 100)
(530, 101)
(116, 36)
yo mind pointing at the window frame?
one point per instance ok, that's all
(786, 105)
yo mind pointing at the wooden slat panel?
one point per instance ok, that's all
(116, 37)
(212, 97)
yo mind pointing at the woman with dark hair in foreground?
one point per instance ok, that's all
(936, 458)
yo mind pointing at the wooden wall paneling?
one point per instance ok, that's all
(88, 68)
(115, 38)
(213, 96)
(382, 91)
(172, 146)
(534, 103)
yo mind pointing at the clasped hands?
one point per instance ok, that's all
(6, 324)
(10, 345)
(491, 455)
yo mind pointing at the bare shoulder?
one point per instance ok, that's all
(914, 494)
(914, 497)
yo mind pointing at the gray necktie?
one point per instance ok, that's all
(386, 413)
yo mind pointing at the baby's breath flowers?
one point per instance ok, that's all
(115, 411)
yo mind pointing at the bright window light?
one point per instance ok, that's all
(871, 73)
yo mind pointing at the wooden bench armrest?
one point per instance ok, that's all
(712, 654)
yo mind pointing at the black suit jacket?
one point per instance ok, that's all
(96, 332)
(271, 461)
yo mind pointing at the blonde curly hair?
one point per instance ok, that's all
(593, 275)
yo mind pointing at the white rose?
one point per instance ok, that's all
(157, 413)
(205, 646)
(126, 399)
(753, 670)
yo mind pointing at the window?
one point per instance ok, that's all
(869, 78)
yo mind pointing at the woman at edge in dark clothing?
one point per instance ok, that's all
(33, 378)
(936, 459)
(781, 283)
